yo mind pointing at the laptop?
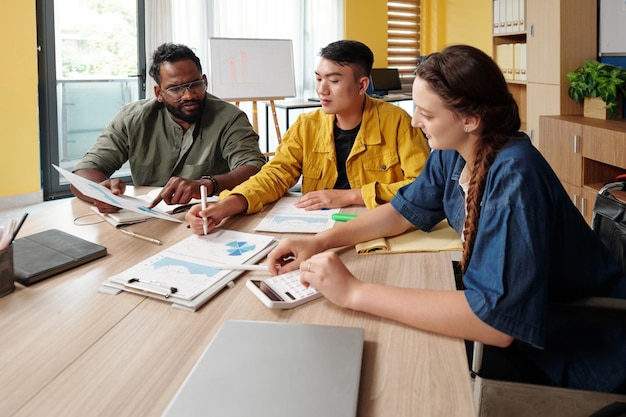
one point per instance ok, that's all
(383, 80)
(42, 255)
(256, 368)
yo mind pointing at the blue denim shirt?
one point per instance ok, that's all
(532, 246)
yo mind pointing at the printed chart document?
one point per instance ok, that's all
(126, 217)
(284, 217)
(101, 193)
(188, 273)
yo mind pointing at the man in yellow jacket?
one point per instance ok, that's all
(355, 150)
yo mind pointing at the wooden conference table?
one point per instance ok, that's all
(68, 350)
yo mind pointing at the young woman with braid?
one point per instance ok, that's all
(525, 243)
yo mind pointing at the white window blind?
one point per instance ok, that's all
(403, 34)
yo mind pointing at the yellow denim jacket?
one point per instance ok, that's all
(387, 154)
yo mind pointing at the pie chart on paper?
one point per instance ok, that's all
(239, 248)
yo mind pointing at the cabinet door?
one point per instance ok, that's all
(543, 41)
(574, 193)
(588, 200)
(541, 99)
(605, 145)
(561, 145)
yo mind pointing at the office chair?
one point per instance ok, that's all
(494, 398)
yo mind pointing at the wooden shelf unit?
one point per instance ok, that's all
(559, 36)
(585, 153)
(517, 87)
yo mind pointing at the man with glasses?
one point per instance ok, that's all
(179, 140)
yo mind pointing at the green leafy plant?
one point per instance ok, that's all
(597, 79)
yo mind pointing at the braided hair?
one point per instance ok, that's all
(470, 83)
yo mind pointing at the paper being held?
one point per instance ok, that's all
(101, 193)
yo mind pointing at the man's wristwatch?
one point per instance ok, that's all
(215, 190)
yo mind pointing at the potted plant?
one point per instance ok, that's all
(596, 81)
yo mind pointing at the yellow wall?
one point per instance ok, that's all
(19, 122)
(368, 25)
(443, 22)
(456, 21)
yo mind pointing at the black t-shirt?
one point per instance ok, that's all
(344, 140)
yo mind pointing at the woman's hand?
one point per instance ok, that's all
(289, 253)
(328, 274)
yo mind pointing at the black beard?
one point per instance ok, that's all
(186, 117)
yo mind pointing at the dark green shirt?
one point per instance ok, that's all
(144, 134)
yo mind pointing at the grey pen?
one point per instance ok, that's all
(142, 237)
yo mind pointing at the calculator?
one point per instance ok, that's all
(282, 291)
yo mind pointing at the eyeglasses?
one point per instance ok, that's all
(178, 91)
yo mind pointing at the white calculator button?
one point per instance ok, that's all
(290, 285)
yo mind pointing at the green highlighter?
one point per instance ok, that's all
(342, 217)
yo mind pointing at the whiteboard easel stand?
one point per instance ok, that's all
(255, 117)
(241, 71)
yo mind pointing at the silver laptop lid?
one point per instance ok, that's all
(254, 368)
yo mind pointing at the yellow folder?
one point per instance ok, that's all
(441, 237)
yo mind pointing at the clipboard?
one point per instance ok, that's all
(187, 274)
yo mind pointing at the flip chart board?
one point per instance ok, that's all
(612, 27)
(246, 69)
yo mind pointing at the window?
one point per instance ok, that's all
(310, 24)
(89, 67)
(403, 42)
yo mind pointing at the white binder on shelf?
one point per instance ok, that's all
(504, 59)
(517, 60)
(496, 17)
(515, 17)
(500, 58)
(509, 16)
(522, 63)
(509, 61)
(503, 4)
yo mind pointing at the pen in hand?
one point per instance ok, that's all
(203, 198)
